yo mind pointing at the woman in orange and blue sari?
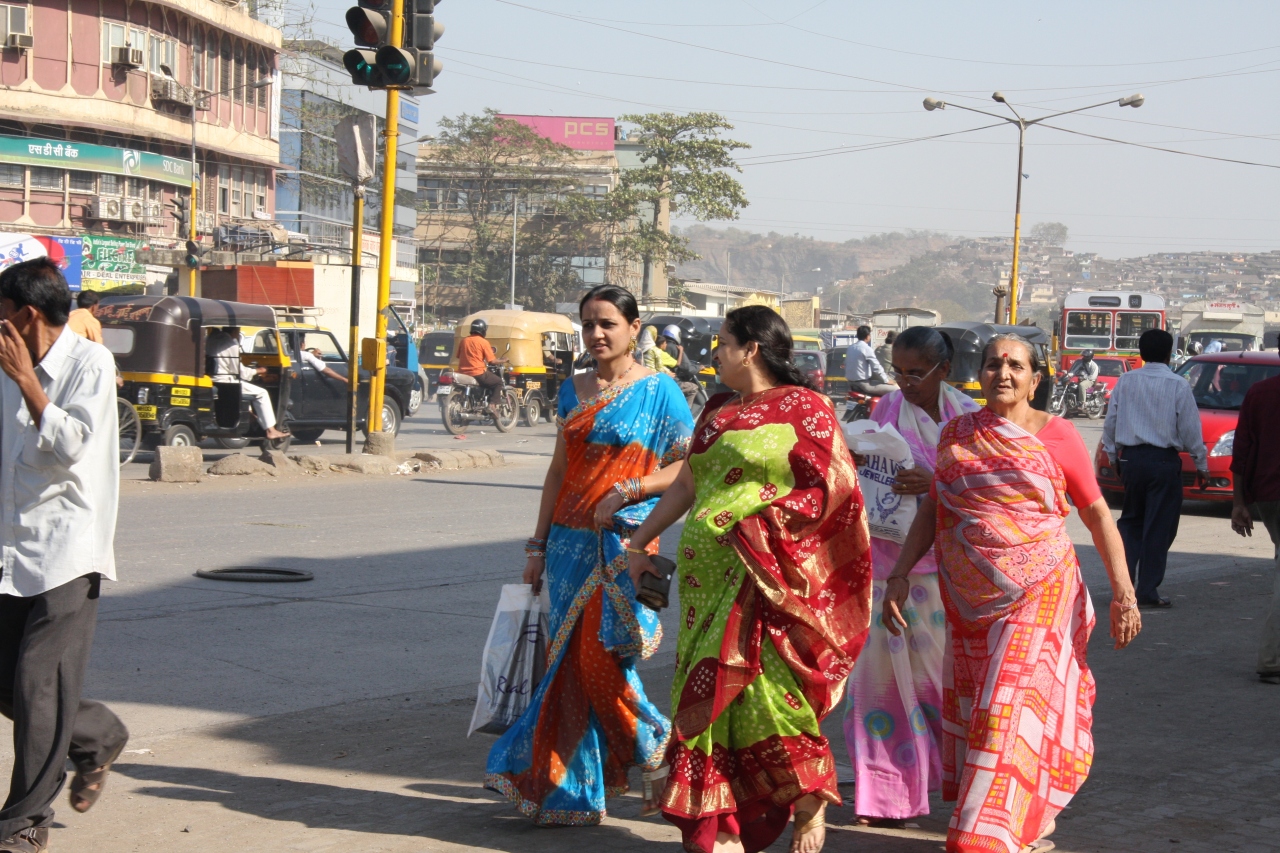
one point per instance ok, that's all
(1017, 693)
(624, 433)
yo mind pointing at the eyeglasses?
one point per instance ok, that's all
(907, 379)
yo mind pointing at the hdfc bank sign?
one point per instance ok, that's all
(582, 134)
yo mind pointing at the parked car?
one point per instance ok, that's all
(836, 386)
(1218, 382)
(812, 364)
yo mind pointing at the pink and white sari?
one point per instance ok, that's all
(893, 716)
(1017, 694)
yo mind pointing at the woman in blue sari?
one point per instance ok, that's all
(623, 437)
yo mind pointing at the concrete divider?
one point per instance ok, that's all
(177, 465)
(451, 460)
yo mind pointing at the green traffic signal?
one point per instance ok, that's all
(397, 65)
(363, 66)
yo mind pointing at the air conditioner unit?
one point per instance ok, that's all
(129, 57)
(204, 222)
(22, 41)
(155, 211)
(107, 207)
(134, 210)
(166, 89)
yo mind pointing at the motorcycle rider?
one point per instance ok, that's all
(1087, 370)
(863, 369)
(686, 373)
(475, 354)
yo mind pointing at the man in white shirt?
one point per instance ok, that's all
(862, 368)
(1152, 417)
(223, 346)
(59, 487)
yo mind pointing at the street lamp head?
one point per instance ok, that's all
(998, 97)
(167, 71)
(932, 104)
(1134, 101)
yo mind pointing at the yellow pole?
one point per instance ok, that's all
(191, 208)
(1017, 234)
(353, 343)
(378, 379)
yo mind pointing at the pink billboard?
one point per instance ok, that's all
(583, 134)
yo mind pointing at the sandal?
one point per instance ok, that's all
(651, 806)
(1042, 844)
(807, 824)
(87, 785)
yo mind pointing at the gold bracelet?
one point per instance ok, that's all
(637, 551)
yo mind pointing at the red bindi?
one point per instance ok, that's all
(1004, 355)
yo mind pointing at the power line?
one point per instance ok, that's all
(1166, 150)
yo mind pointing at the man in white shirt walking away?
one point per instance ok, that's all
(57, 531)
(862, 368)
(1151, 418)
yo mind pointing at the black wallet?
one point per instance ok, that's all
(654, 591)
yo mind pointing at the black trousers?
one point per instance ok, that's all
(44, 651)
(1148, 523)
(490, 383)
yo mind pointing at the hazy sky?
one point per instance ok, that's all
(807, 78)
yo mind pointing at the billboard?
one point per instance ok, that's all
(579, 133)
(66, 251)
(61, 154)
(110, 262)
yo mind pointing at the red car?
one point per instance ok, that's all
(1219, 382)
(812, 364)
(1111, 369)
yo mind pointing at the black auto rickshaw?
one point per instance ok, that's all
(159, 346)
(969, 339)
(434, 351)
(698, 336)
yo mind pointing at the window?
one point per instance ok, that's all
(264, 73)
(43, 178)
(85, 182)
(136, 188)
(588, 270)
(197, 58)
(323, 341)
(1130, 326)
(1223, 386)
(225, 79)
(118, 339)
(260, 189)
(224, 190)
(110, 185)
(238, 83)
(265, 342)
(113, 36)
(15, 17)
(211, 61)
(251, 77)
(1088, 329)
(11, 175)
(163, 52)
(237, 189)
(155, 192)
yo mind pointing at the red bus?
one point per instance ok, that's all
(1109, 322)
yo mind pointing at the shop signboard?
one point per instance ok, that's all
(81, 156)
(110, 262)
(66, 251)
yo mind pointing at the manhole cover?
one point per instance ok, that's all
(255, 574)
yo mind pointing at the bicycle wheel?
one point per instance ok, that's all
(130, 430)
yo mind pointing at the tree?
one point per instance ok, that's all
(1051, 233)
(486, 166)
(685, 169)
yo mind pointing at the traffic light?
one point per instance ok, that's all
(370, 25)
(413, 63)
(182, 212)
(194, 252)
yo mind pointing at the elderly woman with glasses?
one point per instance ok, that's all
(1017, 694)
(893, 722)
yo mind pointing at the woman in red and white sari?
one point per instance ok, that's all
(1017, 692)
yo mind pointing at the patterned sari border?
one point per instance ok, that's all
(542, 817)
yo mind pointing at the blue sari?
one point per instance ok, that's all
(589, 719)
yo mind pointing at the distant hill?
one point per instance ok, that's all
(734, 256)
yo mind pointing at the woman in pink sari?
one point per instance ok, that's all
(893, 720)
(1017, 692)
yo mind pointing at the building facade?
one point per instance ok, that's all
(96, 120)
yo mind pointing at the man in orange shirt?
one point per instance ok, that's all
(475, 354)
(81, 321)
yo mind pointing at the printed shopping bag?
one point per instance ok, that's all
(515, 659)
(885, 452)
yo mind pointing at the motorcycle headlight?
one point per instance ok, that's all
(1226, 444)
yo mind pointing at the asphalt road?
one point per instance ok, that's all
(331, 715)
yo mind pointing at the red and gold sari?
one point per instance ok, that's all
(1017, 693)
(775, 594)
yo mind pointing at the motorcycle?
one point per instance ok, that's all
(858, 406)
(465, 403)
(1067, 399)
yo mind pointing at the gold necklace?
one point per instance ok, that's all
(745, 403)
(609, 383)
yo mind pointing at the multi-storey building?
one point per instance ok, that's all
(97, 104)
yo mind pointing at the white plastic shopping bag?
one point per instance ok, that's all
(889, 515)
(515, 659)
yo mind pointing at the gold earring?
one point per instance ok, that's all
(631, 347)
(746, 362)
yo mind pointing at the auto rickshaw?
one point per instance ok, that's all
(969, 339)
(159, 347)
(434, 351)
(540, 348)
(698, 336)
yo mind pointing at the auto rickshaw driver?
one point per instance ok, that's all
(223, 347)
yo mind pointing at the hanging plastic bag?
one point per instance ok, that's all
(885, 452)
(515, 659)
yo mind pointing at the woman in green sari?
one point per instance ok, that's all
(774, 582)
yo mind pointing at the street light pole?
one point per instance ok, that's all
(1022, 124)
(515, 215)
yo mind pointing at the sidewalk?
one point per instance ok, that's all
(1186, 761)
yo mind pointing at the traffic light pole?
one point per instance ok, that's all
(378, 378)
(353, 343)
(195, 189)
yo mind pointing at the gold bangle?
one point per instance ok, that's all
(637, 551)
